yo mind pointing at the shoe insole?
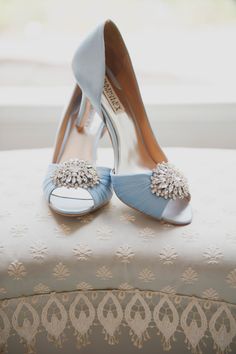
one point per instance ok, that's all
(132, 153)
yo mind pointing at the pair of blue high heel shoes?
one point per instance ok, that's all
(107, 97)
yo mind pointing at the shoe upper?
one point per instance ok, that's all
(99, 192)
(74, 185)
(136, 190)
(102, 53)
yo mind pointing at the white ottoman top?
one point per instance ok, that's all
(118, 247)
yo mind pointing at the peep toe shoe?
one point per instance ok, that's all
(142, 177)
(74, 185)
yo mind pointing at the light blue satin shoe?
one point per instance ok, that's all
(142, 177)
(74, 185)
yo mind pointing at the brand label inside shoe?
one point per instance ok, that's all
(112, 98)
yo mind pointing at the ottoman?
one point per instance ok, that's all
(116, 278)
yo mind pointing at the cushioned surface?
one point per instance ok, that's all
(118, 247)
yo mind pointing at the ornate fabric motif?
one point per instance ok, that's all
(136, 311)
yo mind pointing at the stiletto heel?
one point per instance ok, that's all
(73, 185)
(142, 176)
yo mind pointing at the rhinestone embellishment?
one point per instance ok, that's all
(168, 182)
(75, 173)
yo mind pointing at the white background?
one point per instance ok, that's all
(183, 52)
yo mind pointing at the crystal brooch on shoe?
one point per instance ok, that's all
(168, 182)
(75, 173)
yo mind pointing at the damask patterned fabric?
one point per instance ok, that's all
(153, 321)
(118, 247)
(52, 268)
